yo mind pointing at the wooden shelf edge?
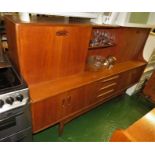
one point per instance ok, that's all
(105, 46)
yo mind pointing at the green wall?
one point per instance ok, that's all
(139, 17)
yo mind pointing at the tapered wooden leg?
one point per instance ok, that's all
(61, 128)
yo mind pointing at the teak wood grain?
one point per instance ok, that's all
(52, 88)
(51, 55)
(62, 105)
(64, 109)
(52, 59)
(43, 114)
(129, 44)
(142, 130)
(76, 100)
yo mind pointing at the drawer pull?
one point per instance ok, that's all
(105, 93)
(112, 78)
(69, 100)
(110, 85)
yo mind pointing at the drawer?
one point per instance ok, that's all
(112, 78)
(103, 95)
(107, 83)
(104, 88)
(111, 85)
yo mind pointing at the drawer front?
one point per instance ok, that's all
(129, 78)
(106, 88)
(103, 88)
(107, 83)
(110, 78)
(103, 95)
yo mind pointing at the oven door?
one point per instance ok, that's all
(14, 121)
(22, 136)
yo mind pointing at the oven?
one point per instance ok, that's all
(15, 116)
(15, 125)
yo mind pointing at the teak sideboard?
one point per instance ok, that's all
(52, 59)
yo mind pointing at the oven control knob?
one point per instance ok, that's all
(19, 97)
(10, 100)
(1, 103)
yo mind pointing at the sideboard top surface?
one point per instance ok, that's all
(44, 90)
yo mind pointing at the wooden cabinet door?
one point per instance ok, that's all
(47, 112)
(50, 52)
(74, 101)
(73, 48)
(79, 99)
(131, 43)
(130, 77)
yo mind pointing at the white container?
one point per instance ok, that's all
(24, 16)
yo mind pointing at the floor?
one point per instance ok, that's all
(98, 124)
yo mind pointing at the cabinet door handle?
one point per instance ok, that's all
(63, 103)
(62, 33)
(69, 100)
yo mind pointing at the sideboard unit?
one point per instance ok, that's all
(52, 58)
